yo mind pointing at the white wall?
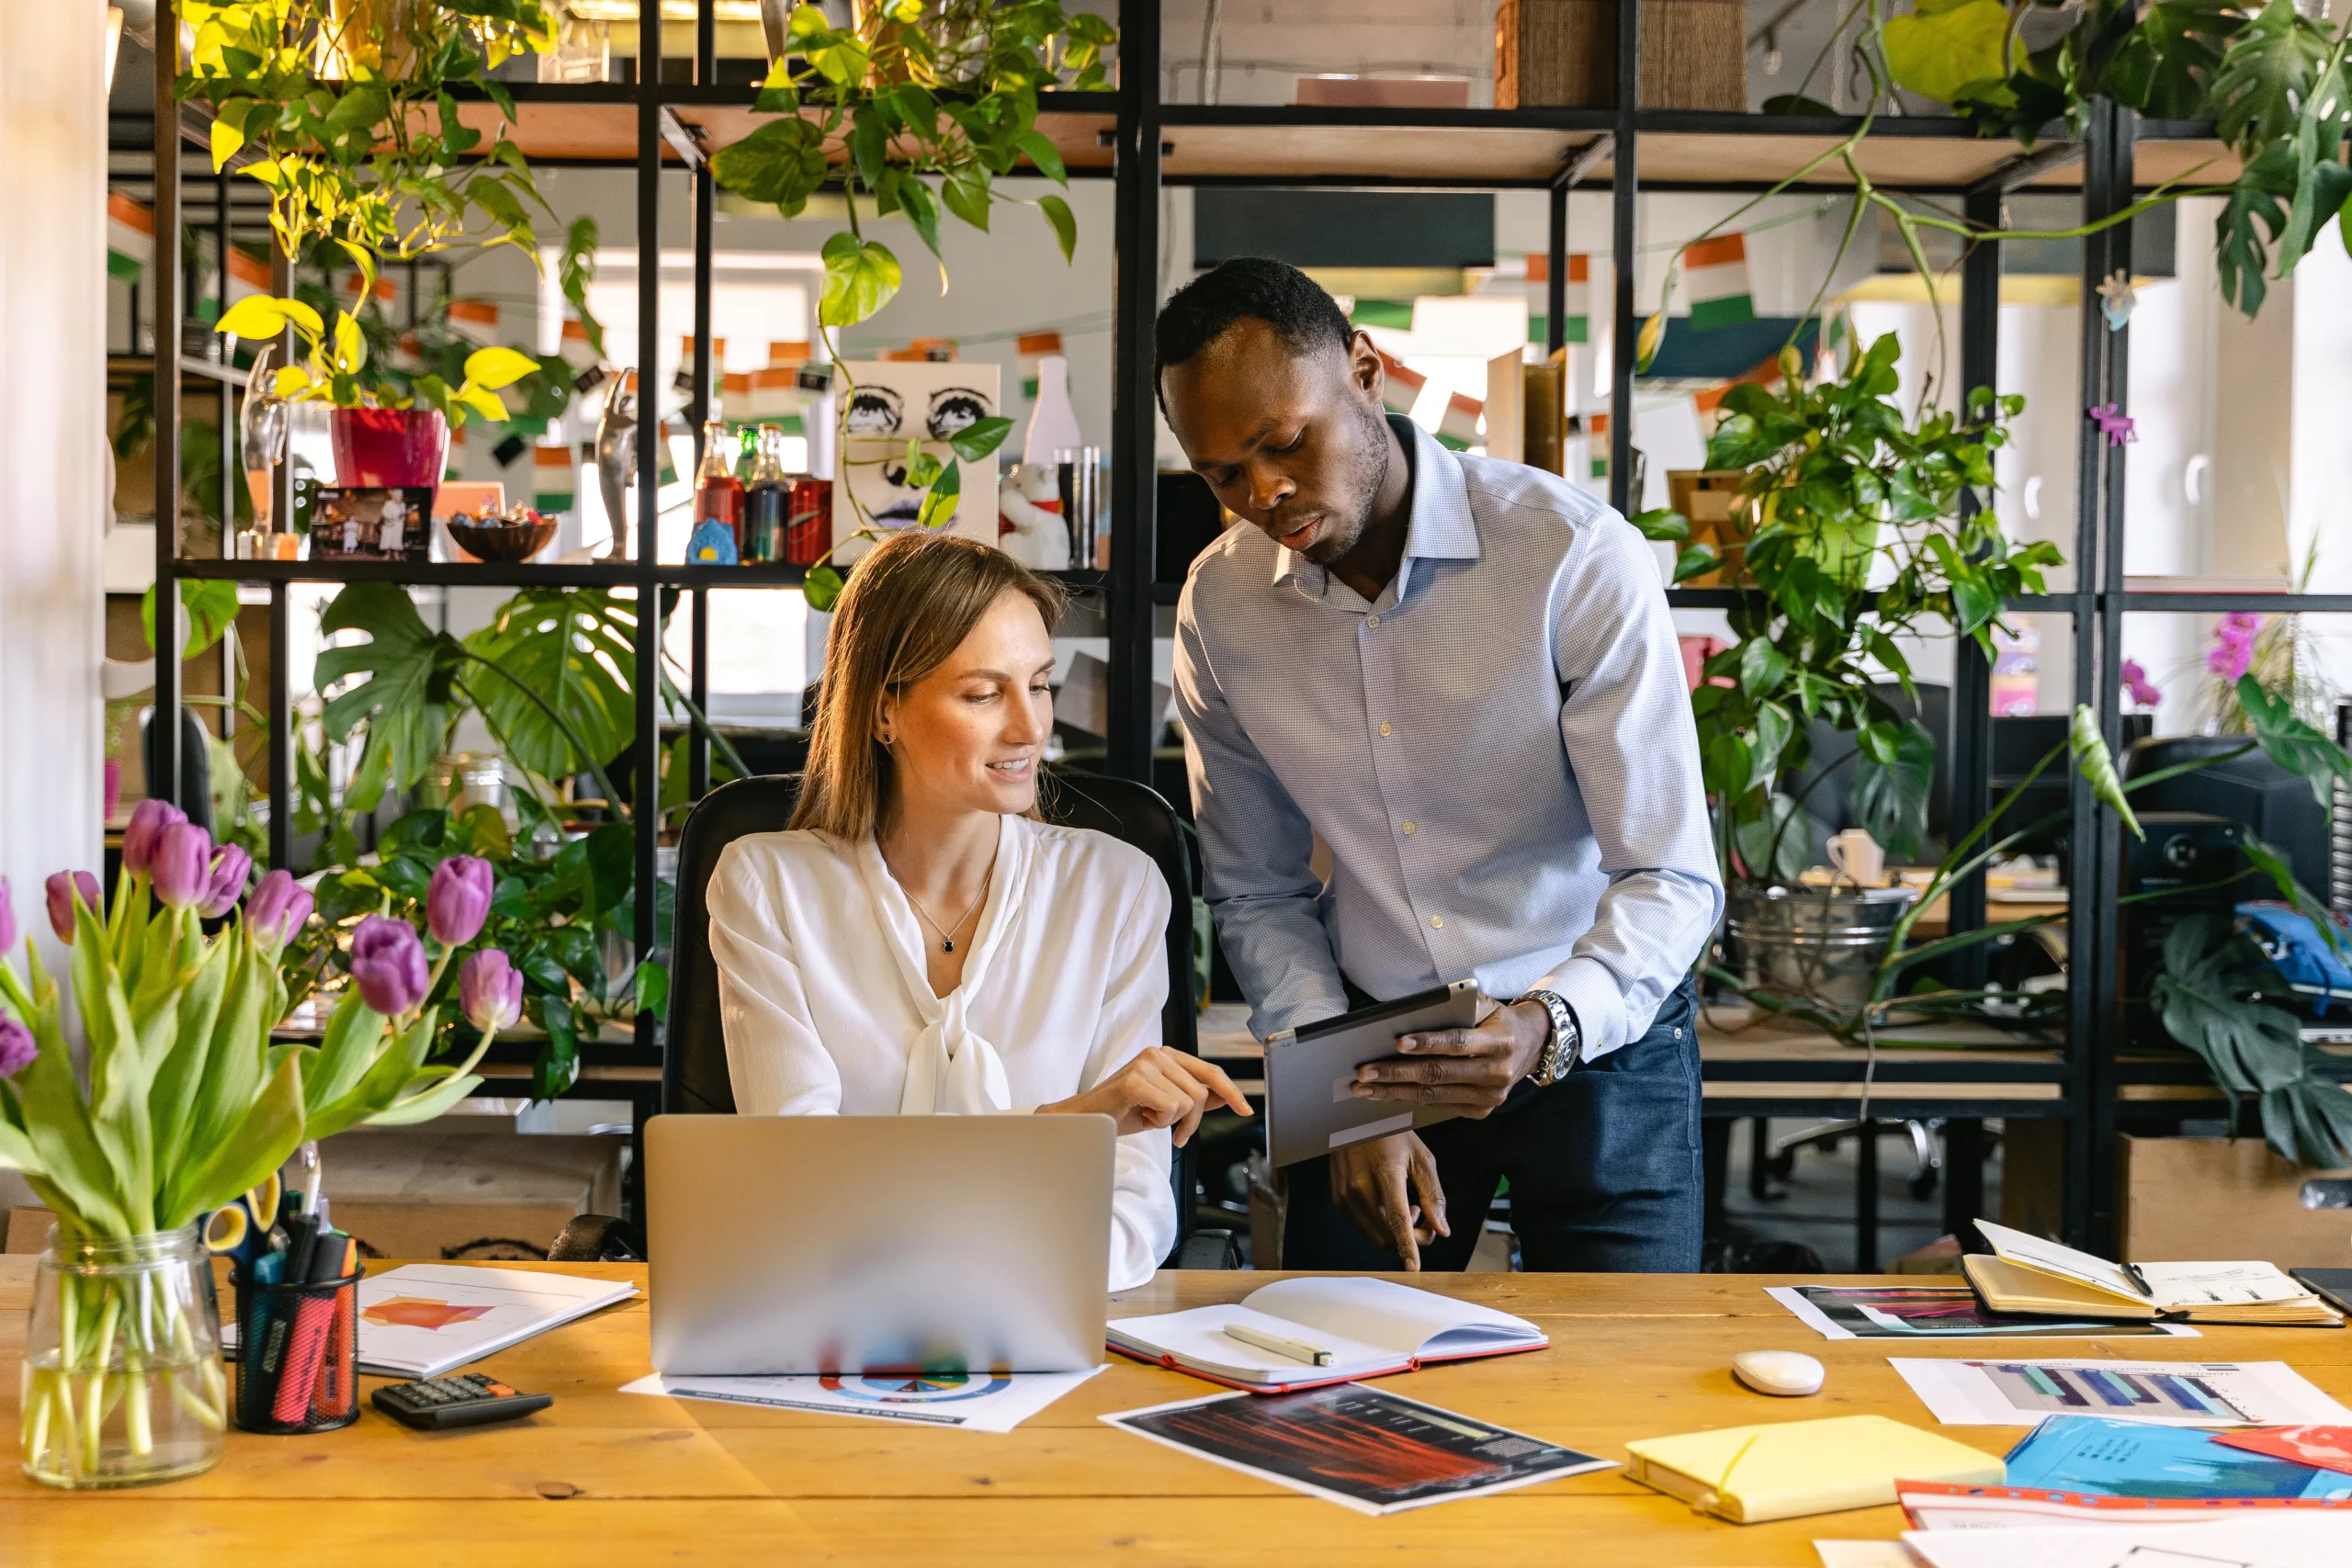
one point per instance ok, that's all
(55, 476)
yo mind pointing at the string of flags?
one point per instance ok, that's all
(1577, 306)
(130, 237)
(1714, 280)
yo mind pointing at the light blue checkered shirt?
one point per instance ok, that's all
(1498, 750)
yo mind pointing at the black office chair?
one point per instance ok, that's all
(695, 1077)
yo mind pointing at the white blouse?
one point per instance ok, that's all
(828, 1010)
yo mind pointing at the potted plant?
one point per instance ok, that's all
(381, 438)
(947, 90)
(174, 1101)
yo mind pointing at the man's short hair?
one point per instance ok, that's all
(1295, 305)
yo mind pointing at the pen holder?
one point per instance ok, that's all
(298, 1355)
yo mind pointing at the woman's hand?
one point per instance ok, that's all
(1160, 1087)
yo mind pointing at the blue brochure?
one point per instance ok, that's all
(2138, 1459)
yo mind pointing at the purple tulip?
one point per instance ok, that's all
(231, 869)
(387, 961)
(18, 1050)
(62, 885)
(490, 991)
(148, 820)
(183, 866)
(8, 919)
(278, 908)
(459, 901)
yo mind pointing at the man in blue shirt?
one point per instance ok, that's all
(1459, 678)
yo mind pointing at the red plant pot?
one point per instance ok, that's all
(383, 447)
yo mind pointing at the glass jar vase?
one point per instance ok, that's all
(122, 1383)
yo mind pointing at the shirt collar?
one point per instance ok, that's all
(1439, 528)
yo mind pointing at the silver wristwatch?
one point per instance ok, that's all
(1558, 1058)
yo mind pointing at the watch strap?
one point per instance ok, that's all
(1560, 1054)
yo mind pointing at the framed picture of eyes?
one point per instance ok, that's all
(888, 403)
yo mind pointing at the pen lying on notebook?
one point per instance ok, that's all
(1296, 1349)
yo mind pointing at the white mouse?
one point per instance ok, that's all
(1789, 1373)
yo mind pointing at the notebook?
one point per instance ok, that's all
(421, 1319)
(1371, 1328)
(2030, 1275)
(1790, 1469)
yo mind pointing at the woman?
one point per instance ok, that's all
(921, 941)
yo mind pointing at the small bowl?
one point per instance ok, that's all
(503, 541)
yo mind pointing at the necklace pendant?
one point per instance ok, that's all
(947, 946)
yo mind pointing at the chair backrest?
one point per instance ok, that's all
(693, 1071)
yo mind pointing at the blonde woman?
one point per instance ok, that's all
(919, 941)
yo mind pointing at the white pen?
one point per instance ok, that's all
(1296, 1349)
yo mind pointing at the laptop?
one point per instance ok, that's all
(858, 1244)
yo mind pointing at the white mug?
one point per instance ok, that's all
(1857, 857)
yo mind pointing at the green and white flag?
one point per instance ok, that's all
(1714, 280)
(555, 478)
(1459, 427)
(1578, 298)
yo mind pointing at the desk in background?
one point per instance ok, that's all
(611, 1478)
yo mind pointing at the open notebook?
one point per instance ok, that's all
(1371, 1327)
(2027, 1274)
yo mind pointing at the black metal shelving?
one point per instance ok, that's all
(1145, 144)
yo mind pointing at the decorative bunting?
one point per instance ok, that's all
(1032, 347)
(1459, 427)
(1714, 280)
(130, 237)
(1400, 388)
(1577, 301)
(555, 478)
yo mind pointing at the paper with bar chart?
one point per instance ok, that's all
(2019, 1393)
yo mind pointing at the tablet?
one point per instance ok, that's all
(1309, 1107)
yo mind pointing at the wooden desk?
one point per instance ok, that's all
(608, 1478)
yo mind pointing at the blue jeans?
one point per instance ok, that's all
(1604, 1169)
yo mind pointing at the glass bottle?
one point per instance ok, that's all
(719, 494)
(764, 500)
(122, 1381)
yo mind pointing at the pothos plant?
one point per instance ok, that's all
(347, 111)
(333, 368)
(1855, 535)
(913, 93)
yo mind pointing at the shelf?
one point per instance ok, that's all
(530, 575)
(209, 373)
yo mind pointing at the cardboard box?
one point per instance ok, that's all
(2213, 1199)
(1562, 53)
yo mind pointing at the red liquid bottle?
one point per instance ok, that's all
(719, 494)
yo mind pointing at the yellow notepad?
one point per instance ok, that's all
(1789, 1469)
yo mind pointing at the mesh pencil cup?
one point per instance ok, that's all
(298, 1354)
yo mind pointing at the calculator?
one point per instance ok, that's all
(436, 1405)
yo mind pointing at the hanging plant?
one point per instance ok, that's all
(913, 94)
(347, 110)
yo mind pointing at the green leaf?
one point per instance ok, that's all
(2267, 76)
(1045, 154)
(860, 279)
(257, 316)
(1695, 560)
(1778, 845)
(1889, 797)
(1057, 213)
(2097, 765)
(652, 986)
(939, 502)
(1944, 46)
(1762, 667)
(2291, 743)
(821, 586)
(405, 700)
(2275, 866)
(965, 193)
(980, 437)
(1662, 523)
(572, 650)
(263, 1140)
(496, 368)
(211, 610)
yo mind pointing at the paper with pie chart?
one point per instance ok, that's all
(973, 1402)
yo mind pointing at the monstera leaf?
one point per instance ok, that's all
(558, 678)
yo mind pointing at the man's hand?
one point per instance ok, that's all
(1160, 1087)
(1369, 1181)
(1468, 1070)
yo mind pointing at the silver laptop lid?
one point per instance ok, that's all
(825, 1244)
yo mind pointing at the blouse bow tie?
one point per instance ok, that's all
(952, 1071)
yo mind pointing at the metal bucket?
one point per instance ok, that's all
(1811, 943)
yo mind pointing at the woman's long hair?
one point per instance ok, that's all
(909, 604)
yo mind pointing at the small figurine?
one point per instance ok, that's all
(711, 544)
(1029, 513)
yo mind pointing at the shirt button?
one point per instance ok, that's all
(1387, 730)
(1408, 829)
(1437, 922)
(1372, 622)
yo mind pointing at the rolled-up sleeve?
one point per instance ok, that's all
(1625, 720)
(1256, 851)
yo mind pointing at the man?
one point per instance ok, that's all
(1460, 674)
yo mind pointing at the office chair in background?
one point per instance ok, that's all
(695, 1075)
